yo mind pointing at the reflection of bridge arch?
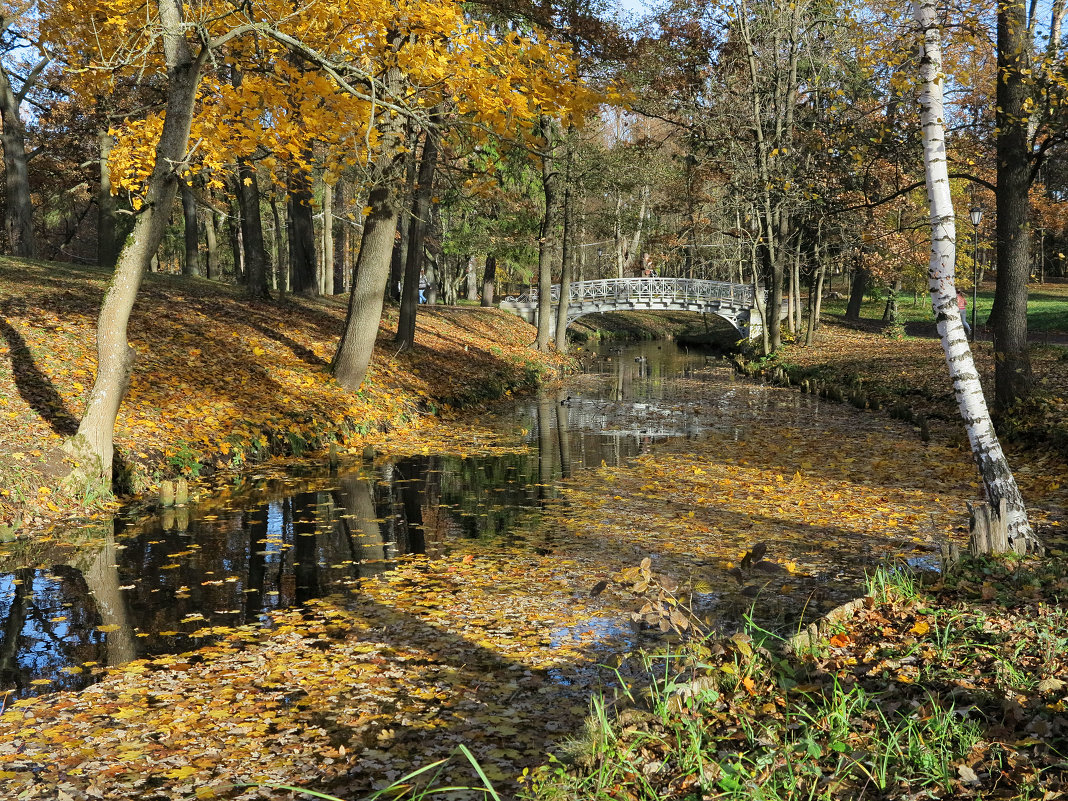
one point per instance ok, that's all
(735, 303)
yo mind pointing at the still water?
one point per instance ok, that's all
(169, 582)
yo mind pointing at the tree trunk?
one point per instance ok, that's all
(256, 265)
(993, 466)
(92, 448)
(212, 243)
(328, 239)
(281, 247)
(814, 300)
(472, 280)
(636, 241)
(857, 289)
(567, 256)
(233, 229)
(18, 217)
(1012, 361)
(547, 240)
(191, 265)
(489, 279)
(302, 264)
(372, 267)
(419, 219)
(345, 234)
(890, 315)
(107, 246)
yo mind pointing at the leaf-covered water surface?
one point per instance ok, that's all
(776, 509)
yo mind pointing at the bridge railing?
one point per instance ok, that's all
(629, 289)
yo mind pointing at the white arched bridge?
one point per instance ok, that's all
(735, 303)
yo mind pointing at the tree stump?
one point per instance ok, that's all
(181, 492)
(989, 527)
(166, 494)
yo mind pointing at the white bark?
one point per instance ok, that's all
(993, 466)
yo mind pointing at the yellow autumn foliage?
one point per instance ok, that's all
(285, 103)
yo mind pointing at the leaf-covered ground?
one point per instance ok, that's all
(220, 381)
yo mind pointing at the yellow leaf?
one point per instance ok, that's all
(183, 772)
(921, 627)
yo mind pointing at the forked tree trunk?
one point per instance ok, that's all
(92, 447)
(372, 266)
(993, 466)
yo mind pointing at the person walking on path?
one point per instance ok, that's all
(962, 304)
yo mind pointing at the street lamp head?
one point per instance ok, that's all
(976, 214)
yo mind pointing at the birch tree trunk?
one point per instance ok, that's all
(92, 447)
(993, 466)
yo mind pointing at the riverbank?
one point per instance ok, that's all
(954, 688)
(221, 381)
(906, 375)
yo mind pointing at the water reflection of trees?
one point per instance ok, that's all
(164, 583)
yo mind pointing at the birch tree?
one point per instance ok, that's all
(993, 466)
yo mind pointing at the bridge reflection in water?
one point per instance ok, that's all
(735, 303)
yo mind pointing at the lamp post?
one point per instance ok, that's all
(976, 215)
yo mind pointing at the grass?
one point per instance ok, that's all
(908, 699)
(1047, 306)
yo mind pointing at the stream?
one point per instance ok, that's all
(170, 582)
